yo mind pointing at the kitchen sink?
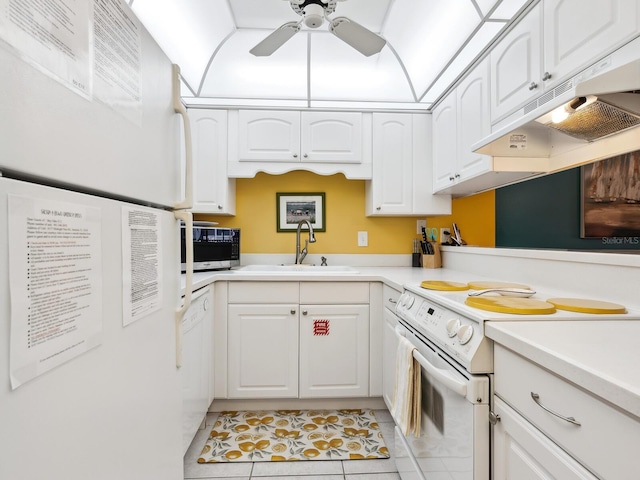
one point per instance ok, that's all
(304, 268)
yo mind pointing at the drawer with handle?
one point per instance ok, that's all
(390, 296)
(603, 438)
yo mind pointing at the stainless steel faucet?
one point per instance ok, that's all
(300, 254)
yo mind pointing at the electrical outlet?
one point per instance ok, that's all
(420, 224)
(445, 234)
(363, 239)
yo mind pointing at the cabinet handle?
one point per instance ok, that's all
(533, 86)
(295, 155)
(451, 179)
(293, 312)
(457, 175)
(536, 398)
(391, 300)
(378, 208)
(219, 207)
(304, 312)
(494, 418)
(306, 156)
(546, 76)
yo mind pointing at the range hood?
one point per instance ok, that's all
(600, 108)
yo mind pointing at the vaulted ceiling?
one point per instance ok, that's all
(429, 44)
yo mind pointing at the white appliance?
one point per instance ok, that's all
(197, 340)
(456, 360)
(89, 246)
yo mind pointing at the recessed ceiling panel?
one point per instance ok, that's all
(262, 13)
(487, 33)
(236, 73)
(428, 33)
(339, 72)
(188, 31)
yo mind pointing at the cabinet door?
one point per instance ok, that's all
(444, 143)
(263, 351)
(391, 186)
(578, 32)
(334, 351)
(213, 191)
(265, 136)
(389, 351)
(516, 64)
(331, 137)
(520, 451)
(473, 121)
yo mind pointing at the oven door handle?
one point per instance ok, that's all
(442, 376)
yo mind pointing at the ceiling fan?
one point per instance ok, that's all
(314, 13)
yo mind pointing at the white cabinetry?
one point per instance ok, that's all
(213, 191)
(459, 121)
(290, 339)
(402, 168)
(554, 41)
(555, 429)
(263, 351)
(281, 141)
(334, 351)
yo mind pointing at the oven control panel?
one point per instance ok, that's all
(461, 337)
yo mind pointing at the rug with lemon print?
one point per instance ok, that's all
(287, 435)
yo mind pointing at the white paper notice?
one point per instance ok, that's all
(52, 34)
(141, 263)
(117, 57)
(55, 271)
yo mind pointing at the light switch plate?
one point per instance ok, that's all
(363, 239)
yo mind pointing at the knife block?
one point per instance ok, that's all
(435, 260)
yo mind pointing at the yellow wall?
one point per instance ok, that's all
(475, 216)
(345, 216)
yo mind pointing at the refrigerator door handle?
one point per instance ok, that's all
(187, 217)
(178, 106)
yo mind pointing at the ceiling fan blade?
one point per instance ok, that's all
(276, 39)
(360, 38)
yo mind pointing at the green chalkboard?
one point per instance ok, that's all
(545, 213)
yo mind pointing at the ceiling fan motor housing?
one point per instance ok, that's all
(313, 11)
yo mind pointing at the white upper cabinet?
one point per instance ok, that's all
(402, 168)
(213, 191)
(554, 41)
(265, 136)
(331, 138)
(281, 141)
(445, 143)
(516, 66)
(578, 32)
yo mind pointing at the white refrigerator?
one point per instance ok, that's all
(89, 247)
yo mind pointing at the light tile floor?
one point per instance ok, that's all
(304, 470)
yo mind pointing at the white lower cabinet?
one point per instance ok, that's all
(520, 451)
(549, 428)
(334, 351)
(263, 351)
(298, 340)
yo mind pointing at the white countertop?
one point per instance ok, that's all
(602, 357)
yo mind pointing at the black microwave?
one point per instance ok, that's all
(214, 248)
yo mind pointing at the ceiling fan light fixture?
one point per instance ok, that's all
(313, 15)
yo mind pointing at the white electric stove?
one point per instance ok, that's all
(456, 360)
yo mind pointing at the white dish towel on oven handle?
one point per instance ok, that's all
(405, 408)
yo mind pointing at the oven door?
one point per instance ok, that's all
(454, 435)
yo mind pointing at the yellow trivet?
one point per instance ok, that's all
(521, 306)
(489, 285)
(585, 305)
(443, 285)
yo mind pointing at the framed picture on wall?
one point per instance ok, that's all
(291, 208)
(611, 198)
